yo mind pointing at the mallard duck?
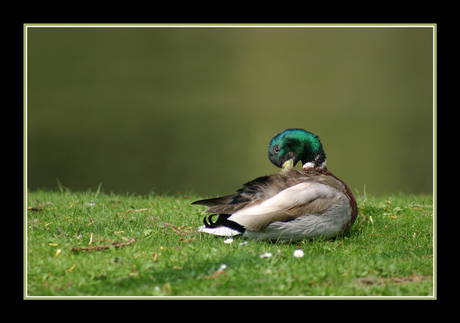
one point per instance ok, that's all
(288, 206)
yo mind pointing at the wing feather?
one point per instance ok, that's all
(215, 201)
(302, 199)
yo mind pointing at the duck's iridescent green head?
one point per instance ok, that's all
(296, 145)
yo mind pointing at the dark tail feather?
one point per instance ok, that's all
(214, 201)
(208, 223)
(222, 221)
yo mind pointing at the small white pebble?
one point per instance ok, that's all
(266, 255)
(222, 267)
(298, 253)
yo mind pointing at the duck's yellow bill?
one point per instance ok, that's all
(288, 164)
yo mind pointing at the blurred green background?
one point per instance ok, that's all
(192, 109)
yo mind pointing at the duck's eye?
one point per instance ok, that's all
(276, 149)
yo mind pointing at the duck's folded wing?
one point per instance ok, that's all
(302, 199)
(230, 208)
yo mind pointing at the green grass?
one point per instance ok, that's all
(388, 252)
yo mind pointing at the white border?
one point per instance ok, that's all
(236, 25)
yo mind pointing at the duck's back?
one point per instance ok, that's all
(266, 187)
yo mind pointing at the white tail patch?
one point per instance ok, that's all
(219, 231)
